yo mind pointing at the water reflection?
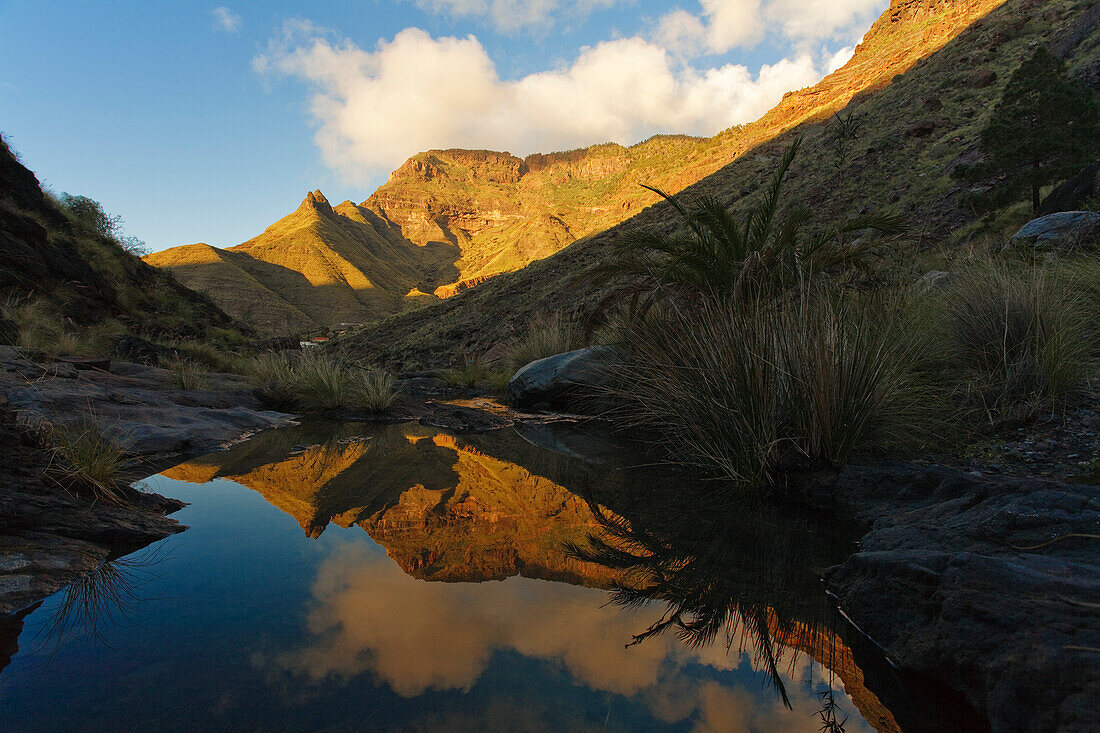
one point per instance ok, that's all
(370, 617)
(495, 506)
(110, 595)
(444, 507)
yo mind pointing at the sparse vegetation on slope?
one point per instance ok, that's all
(917, 129)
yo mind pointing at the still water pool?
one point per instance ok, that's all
(398, 577)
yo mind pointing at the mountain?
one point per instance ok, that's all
(924, 81)
(86, 276)
(447, 220)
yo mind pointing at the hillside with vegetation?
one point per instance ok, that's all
(448, 220)
(67, 274)
(917, 120)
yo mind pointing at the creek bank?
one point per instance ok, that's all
(49, 536)
(982, 582)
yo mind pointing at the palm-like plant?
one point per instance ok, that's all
(720, 256)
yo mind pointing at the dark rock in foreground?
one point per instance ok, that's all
(574, 381)
(983, 583)
(139, 404)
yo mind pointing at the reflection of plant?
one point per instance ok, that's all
(739, 571)
(828, 712)
(105, 597)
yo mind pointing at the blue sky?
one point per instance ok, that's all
(206, 122)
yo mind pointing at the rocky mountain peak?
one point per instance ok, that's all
(316, 201)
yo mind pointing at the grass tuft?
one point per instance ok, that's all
(186, 374)
(87, 460)
(546, 337)
(374, 391)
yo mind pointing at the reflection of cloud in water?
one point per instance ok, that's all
(416, 636)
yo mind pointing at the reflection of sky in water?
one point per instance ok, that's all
(249, 624)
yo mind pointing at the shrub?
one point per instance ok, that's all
(546, 337)
(186, 374)
(749, 392)
(85, 459)
(1018, 332)
(373, 391)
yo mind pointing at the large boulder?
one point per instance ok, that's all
(1072, 194)
(576, 381)
(1067, 230)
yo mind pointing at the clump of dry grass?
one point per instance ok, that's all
(374, 391)
(749, 393)
(186, 374)
(318, 382)
(546, 337)
(1015, 335)
(85, 459)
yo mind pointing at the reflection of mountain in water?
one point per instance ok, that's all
(491, 506)
(444, 507)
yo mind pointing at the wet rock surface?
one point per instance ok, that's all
(989, 584)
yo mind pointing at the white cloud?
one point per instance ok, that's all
(375, 108)
(722, 25)
(226, 20)
(510, 16)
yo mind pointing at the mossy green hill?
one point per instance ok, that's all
(448, 220)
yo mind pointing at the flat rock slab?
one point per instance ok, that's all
(140, 405)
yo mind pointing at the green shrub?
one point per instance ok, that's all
(85, 459)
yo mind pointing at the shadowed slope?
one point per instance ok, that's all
(450, 219)
(901, 165)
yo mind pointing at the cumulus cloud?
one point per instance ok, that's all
(510, 16)
(722, 25)
(374, 108)
(226, 20)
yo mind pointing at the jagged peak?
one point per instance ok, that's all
(316, 201)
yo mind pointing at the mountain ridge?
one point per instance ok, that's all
(452, 219)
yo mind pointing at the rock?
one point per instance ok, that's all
(1072, 194)
(981, 78)
(132, 348)
(460, 419)
(575, 381)
(138, 404)
(1067, 230)
(922, 128)
(86, 363)
(979, 582)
